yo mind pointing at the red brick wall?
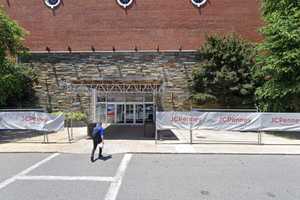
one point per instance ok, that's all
(148, 23)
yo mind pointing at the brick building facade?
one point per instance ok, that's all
(101, 40)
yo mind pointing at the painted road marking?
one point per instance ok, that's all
(113, 190)
(24, 172)
(115, 185)
(185, 148)
(66, 178)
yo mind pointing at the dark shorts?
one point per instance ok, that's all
(97, 140)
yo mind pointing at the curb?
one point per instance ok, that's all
(30, 152)
(199, 153)
(163, 153)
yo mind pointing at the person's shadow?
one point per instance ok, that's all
(104, 158)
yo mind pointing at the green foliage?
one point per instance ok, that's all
(75, 116)
(16, 86)
(16, 81)
(280, 6)
(224, 75)
(278, 61)
(11, 37)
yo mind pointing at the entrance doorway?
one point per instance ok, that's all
(124, 104)
(140, 109)
(122, 101)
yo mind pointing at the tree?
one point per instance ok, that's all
(15, 80)
(278, 60)
(224, 75)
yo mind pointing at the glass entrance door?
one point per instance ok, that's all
(139, 113)
(120, 114)
(101, 112)
(129, 113)
(125, 113)
(111, 113)
(149, 112)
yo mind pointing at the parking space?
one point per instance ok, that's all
(55, 190)
(13, 163)
(79, 165)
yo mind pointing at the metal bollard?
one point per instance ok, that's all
(46, 138)
(156, 136)
(69, 137)
(191, 136)
(259, 138)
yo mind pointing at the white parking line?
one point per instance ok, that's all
(29, 169)
(115, 185)
(66, 178)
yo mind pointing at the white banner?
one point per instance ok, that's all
(31, 121)
(280, 122)
(232, 121)
(179, 120)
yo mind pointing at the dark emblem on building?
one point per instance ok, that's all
(124, 3)
(52, 3)
(199, 3)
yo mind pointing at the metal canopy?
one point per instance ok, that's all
(119, 86)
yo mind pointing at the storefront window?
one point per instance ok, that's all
(101, 112)
(149, 112)
(134, 97)
(116, 97)
(125, 108)
(111, 113)
(148, 97)
(101, 97)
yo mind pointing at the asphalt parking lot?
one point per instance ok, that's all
(35, 176)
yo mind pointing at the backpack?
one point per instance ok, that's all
(95, 132)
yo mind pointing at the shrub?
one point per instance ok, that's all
(278, 61)
(16, 81)
(75, 116)
(223, 76)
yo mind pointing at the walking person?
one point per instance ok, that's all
(98, 135)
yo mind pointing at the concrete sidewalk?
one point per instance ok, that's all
(82, 144)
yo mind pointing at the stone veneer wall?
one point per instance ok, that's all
(172, 68)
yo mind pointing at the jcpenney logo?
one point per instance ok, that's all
(185, 119)
(234, 120)
(34, 120)
(285, 121)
